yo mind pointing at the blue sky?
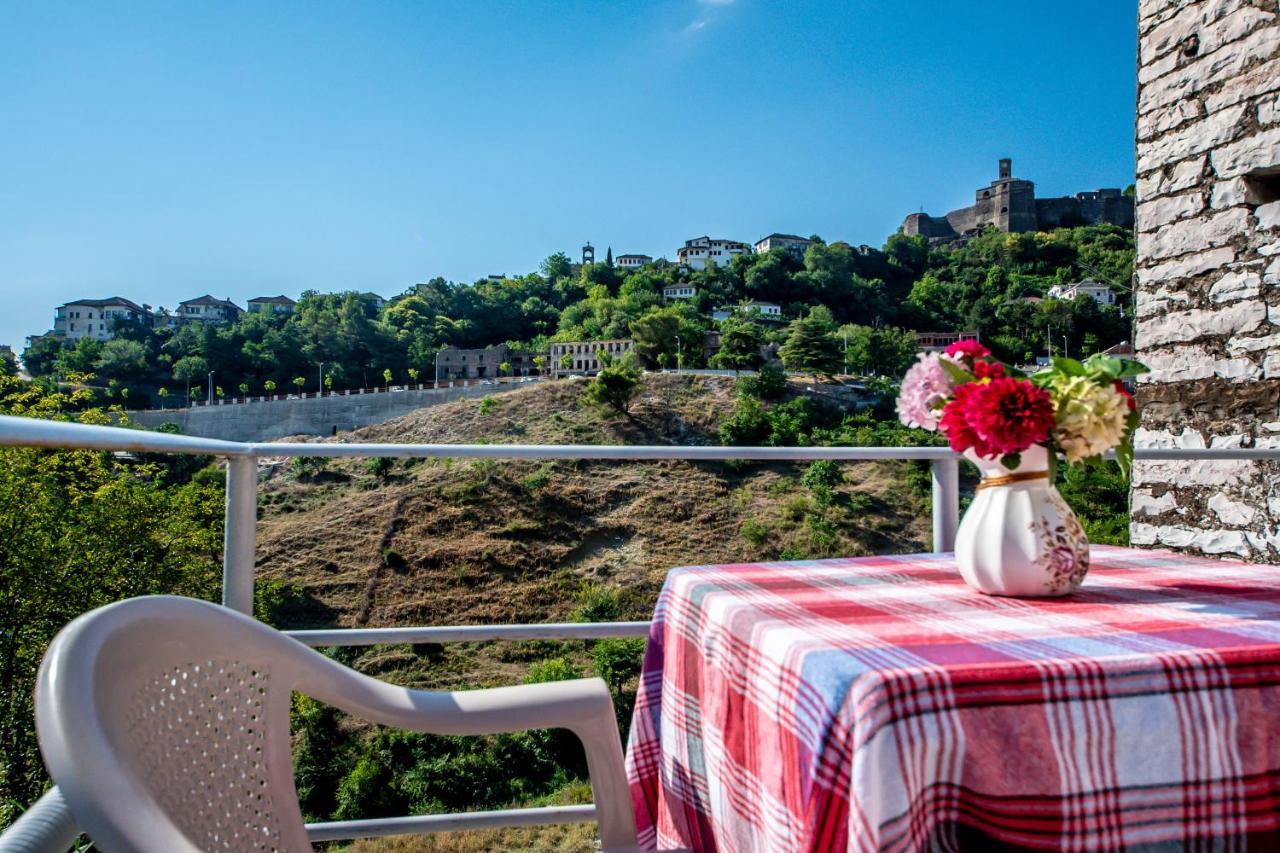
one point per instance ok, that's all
(161, 151)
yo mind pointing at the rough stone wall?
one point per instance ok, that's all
(1207, 300)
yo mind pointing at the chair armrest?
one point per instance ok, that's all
(582, 706)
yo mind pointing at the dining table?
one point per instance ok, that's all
(880, 704)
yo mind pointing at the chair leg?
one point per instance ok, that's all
(603, 746)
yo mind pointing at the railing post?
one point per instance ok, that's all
(946, 503)
(239, 535)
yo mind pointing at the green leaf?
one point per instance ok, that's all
(1068, 366)
(1131, 368)
(1104, 366)
(955, 371)
(1011, 460)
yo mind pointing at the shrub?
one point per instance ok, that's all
(754, 532)
(597, 604)
(823, 474)
(769, 384)
(308, 467)
(392, 558)
(748, 426)
(538, 479)
(553, 669)
(617, 661)
(486, 405)
(379, 466)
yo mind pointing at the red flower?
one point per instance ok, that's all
(1124, 392)
(968, 348)
(988, 370)
(955, 425)
(1003, 416)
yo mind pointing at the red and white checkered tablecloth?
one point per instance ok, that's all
(880, 704)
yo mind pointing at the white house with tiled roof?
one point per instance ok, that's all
(271, 305)
(793, 243)
(96, 318)
(632, 262)
(700, 251)
(208, 309)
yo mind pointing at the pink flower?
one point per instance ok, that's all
(925, 390)
(968, 349)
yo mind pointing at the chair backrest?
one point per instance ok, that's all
(165, 722)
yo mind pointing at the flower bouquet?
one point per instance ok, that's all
(1019, 537)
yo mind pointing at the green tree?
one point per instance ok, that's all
(811, 346)
(244, 389)
(615, 386)
(82, 529)
(556, 267)
(299, 382)
(190, 370)
(121, 359)
(163, 394)
(386, 377)
(504, 369)
(269, 386)
(740, 344)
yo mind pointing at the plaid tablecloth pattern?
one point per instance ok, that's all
(880, 704)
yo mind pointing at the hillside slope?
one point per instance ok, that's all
(445, 541)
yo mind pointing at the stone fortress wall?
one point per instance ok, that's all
(1207, 297)
(1010, 204)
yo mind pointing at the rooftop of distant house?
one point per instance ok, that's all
(210, 300)
(111, 300)
(273, 300)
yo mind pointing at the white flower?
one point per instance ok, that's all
(1090, 418)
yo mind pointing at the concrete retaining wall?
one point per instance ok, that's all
(264, 421)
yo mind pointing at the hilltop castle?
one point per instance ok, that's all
(1010, 204)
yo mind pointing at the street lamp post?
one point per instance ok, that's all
(320, 387)
(208, 401)
(677, 353)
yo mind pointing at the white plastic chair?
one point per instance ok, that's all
(165, 723)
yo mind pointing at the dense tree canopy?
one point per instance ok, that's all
(994, 284)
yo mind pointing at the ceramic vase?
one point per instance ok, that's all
(1019, 537)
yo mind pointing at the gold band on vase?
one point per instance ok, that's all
(1017, 477)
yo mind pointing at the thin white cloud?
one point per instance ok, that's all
(710, 11)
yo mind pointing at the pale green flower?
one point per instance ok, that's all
(1090, 418)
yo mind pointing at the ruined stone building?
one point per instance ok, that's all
(1010, 204)
(487, 363)
(1207, 297)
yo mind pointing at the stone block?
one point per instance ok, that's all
(1195, 76)
(1193, 235)
(1160, 212)
(1228, 193)
(1186, 326)
(1210, 132)
(1268, 215)
(1229, 512)
(1146, 503)
(1185, 266)
(1235, 285)
(1260, 150)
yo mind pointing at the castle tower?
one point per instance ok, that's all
(588, 254)
(1006, 168)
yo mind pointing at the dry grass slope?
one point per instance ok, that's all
(457, 542)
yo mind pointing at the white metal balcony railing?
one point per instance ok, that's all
(48, 826)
